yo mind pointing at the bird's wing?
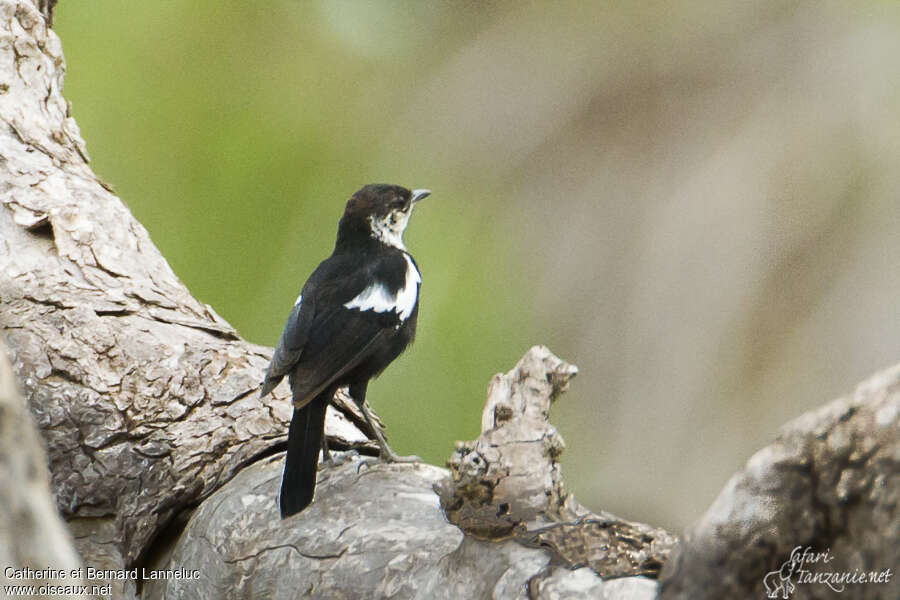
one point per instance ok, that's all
(353, 338)
(332, 275)
(291, 344)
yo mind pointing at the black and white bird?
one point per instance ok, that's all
(355, 314)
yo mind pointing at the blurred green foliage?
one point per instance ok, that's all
(235, 131)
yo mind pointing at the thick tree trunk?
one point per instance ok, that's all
(146, 401)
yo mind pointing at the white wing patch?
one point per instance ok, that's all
(378, 298)
(299, 300)
(375, 297)
(409, 293)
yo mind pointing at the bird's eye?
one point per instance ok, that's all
(398, 203)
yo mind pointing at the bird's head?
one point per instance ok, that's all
(380, 211)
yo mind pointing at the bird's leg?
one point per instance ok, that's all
(339, 458)
(386, 453)
(329, 459)
(326, 455)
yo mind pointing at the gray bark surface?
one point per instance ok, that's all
(146, 402)
(831, 481)
(33, 537)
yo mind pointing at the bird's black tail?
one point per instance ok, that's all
(298, 484)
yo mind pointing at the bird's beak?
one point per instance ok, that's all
(419, 195)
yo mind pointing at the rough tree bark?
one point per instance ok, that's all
(144, 397)
(32, 535)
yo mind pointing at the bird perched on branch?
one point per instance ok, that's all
(355, 314)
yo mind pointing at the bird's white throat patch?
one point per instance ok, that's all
(390, 229)
(378, 298)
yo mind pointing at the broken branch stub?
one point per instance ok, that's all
(509, 477)
(508, 483)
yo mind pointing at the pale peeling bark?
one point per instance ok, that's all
(146, 401)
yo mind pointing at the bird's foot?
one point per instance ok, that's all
(336, 459)
(391, 457)
(388, 458)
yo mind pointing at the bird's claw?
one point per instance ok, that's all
(387, 458)
(336, 459)
(394, 458)
(365, 462)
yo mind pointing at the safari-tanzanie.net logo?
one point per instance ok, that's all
(807, 567)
